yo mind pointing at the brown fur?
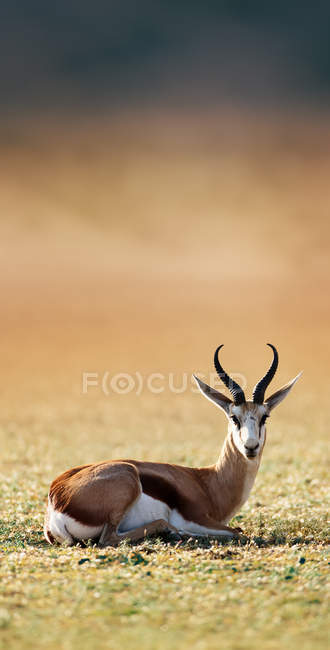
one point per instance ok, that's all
(103, 492)
(231, 472)
(90, 493)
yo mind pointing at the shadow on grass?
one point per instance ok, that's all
(261, 541)
(186, 542)
(10, 535)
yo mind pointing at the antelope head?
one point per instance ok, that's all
(247, 419)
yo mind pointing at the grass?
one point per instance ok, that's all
(269, 589)
(141, 245)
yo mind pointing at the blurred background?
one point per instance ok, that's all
(106, 54)
(164, 188)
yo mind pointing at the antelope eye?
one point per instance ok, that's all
(236, 421)
(263, 419)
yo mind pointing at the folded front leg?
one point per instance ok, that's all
(110, 537)
(206, 526)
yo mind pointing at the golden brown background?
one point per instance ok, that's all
(139, 242)
(164, 188)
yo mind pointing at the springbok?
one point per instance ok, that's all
(128, 499)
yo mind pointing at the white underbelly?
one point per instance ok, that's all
(145, 510)
(192, 528)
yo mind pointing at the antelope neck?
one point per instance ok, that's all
(234, 478)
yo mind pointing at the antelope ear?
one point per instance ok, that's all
(280, 394)
(213, 395)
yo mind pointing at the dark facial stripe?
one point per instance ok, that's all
(263, 419)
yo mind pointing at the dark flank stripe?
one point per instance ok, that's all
(159, 488)
(187, 495)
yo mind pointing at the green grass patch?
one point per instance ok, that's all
(268, 590)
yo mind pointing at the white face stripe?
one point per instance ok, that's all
(251, 433)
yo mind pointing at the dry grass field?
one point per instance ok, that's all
(137, 245)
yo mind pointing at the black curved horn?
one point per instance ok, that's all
(235, 389)
(260, 388)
